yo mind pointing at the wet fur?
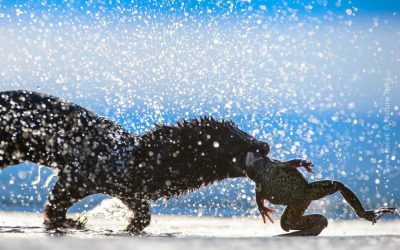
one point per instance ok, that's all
(95, 155)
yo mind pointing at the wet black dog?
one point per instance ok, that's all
(95, 155)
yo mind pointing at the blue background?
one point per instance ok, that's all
(315, 79)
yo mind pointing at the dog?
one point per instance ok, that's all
(95, 155)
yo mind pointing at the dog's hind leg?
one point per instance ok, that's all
(70, 188)
(142, 215)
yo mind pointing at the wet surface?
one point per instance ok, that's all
(24, 231)
(29, 225)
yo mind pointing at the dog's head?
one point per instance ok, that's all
(204, 148)
(245, 149)
(224, 145)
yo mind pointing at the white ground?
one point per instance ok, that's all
(24, 231)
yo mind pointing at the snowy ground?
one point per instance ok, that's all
(19, 230)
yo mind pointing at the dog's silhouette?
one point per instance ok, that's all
(95, 155)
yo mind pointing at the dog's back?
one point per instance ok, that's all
(40, 128)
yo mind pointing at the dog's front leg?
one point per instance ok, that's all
(142, 216)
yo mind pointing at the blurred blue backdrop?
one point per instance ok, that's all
(316, 79)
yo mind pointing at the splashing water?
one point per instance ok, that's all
(37, 179)
(314, 80)
(397, 211)
(111, 208)
(50, 178)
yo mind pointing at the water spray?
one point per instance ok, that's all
(397, 211)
